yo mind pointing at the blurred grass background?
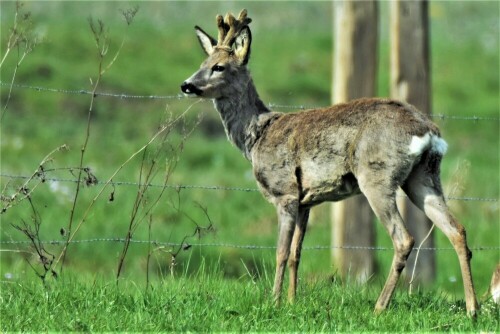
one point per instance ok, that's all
(291, 65)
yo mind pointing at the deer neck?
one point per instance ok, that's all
(243, 115)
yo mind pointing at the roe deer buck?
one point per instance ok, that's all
(370, 146)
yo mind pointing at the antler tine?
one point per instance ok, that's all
(222, 29)
(243, 18)
(230, 27)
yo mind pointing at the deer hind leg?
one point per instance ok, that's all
(295, 251)
(423, 187)
(287, 217)
(382, 199)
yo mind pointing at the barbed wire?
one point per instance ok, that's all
(203, 187)
(437, 116)
(181, 96)
(229, 245)
(137, 184)
(96, 94)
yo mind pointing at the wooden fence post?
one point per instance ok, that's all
(410, 81)
(354, 76)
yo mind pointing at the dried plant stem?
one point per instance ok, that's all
(115, 57)
(134, 222)
(32, 232)
(6, 52)
(80, 166)
(20, 60)
(13, 38)
(135, 210)
(184, 245)
(102, 45)
(24, 190)
(416, 258)
(109, 181)
(20, 35)
(150, 224)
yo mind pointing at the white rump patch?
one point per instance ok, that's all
(431, 141)
(438, 145)
(419, 144)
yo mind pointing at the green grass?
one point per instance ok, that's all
(291, 65)
(207, 302)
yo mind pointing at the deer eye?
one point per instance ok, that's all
(218, 68)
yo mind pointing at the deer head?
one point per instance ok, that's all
(224, 70)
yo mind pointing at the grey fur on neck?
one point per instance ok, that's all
(244, 116)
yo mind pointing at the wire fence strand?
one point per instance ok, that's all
(229, 245)
(436, 116)
(203, 187)
(179, 96)
(272, 106)
(96, 94)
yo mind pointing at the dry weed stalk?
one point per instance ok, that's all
(184, 245)
(101, 39)
(163, 128)
(25, 190)
(44, 257)
(150, 166)
(21, 38)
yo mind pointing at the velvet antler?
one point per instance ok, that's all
(230, 27)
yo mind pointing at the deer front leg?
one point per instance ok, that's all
(295, 251)
(287, 215)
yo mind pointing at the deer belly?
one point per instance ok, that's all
(329, 190)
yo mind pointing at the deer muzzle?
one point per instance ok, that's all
(190, 89)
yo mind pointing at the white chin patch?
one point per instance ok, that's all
(430, 141)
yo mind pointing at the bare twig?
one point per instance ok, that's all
(416, 258)
(150, 224)
(148, 173)
(21, 38)
(128, 15)
(44, 257)
(101, 39)
(25, 191)
(184, 245)
(110, 180)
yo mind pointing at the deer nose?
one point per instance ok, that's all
(185, 87)
(189, 88)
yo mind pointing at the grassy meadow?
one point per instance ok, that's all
(291, 64)
(206, 302)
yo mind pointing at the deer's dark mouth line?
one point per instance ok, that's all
(190, 89)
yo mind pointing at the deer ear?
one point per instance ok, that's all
(242, 45)
(207, 42)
